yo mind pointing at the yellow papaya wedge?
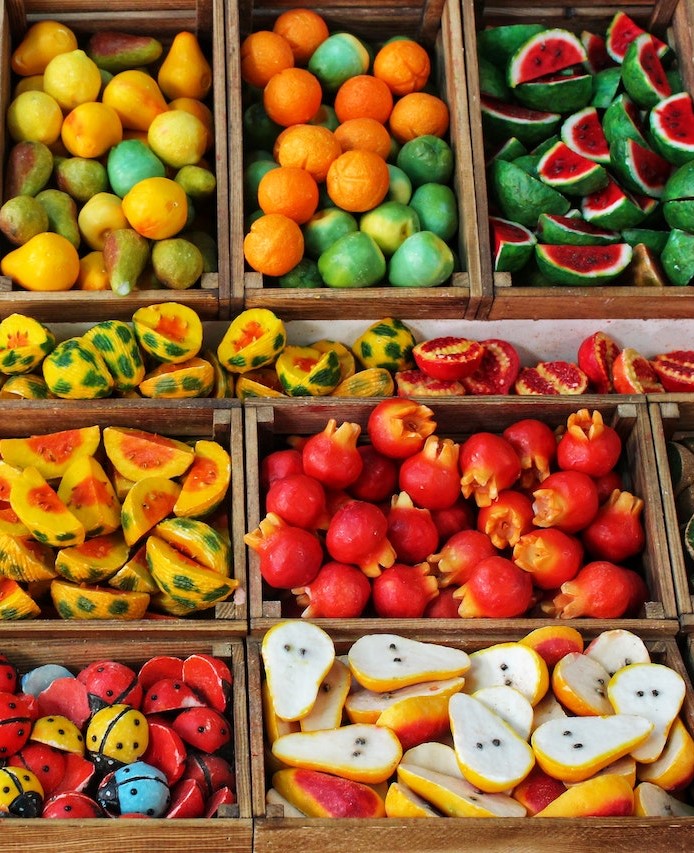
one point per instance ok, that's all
(206, 482)
(87, 492)
(148, 502)
(51, 454)
(38, 506)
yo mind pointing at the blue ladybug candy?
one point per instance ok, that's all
(137, 789)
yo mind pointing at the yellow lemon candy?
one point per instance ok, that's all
(47, 262)
(177, 138)
(91, 129)
(43, 41)
(156, 208)
(102, 213)
(34, 117)
(185, 72)
(93, 274)
(72, 79)
(199, 110)
(136, 97)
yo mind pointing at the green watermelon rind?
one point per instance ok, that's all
(617, 123)
(557, 233)
(679, 213)
(591, 180)
(513, 256)
(500, 126)
(509, 150)
(528, 163)
(622, 156)
(605, 87)
(677, 257)
(564, 275)
(492, 79)
(516, 61)
(521, 197)
(636, 79)
(568, 94)
(649, 237)
(498, 44)
(678, 153)
(624, 213)
(567, 137)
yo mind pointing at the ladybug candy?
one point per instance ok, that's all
(116, 735)
(21, 794)
(15, 724)
(136, 789)
(110, 683)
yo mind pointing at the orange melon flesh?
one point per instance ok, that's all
(24, 559)
(88, 493)
(206, 481)
(53, 453)
(9, 521)
(148, 502)
(39, 507)
(136, 453)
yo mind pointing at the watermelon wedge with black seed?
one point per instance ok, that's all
(621, 31)
(498, 44)
(521, 197)
(582, 265)
(583, 133)
(501, 120)
(512, 244)
(597, 57)
(672, 128)
(643, 74)
(545, 53)
(638, 168)
(622, 121)
(569, 172)
(612, 207)
(573, 231)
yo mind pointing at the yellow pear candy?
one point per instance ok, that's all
(512, 664)
(185, 71)
(178, 138)
(136, 98)
(652, 801)
(42, 41)
(603, 796)
(402, 802)
(47, 262)
(366, 706)
(580, 683)
(99, 215)
(34, 116)
(72, 78)
(674, 769)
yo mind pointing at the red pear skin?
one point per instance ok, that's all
(417, 720)
(601, 796)
(538, 790)
(552, 642)
(319, 794)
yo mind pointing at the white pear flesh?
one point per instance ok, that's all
(653, 691)
(617, 648)
(652, 801)
(362, 752)
(273, 797)
(548, 708)
(330, 702)
(575, 748)
(297, 656)
(510, 664)
(370, 704)
(433, 755)
(513, 708)
(581, 683)
(385, 662)
(490, 753)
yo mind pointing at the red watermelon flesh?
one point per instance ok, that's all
(651, 170)
(606, 198)
(620, 34)
(597, 57)
(515, 111)
(505, 231)
(654, 68)
(583, 133)
(573, 223)
(543, 54)
(561, 162)
(587, 259)
(675, 118)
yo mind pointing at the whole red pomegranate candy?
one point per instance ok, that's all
(299, 500)
(398, 426)
(536, 446)
(403, 592)
(358, 534)
(567, 500)
(488, 464)
(411, 530)
(601, 589)
(497, 588)
(430, 477)
(616, 533)
(549, 555)
(379, 476)
(289, 556)
(331, 456)
(339, 591)
(588, 445)
(460, 555)
(280, 463)
(506, 518)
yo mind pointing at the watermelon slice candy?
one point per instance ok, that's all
(546, 53)
(621, 31)
(573, 231)
(583, 133)
(672, 128)
(582, 265)
(643, 74)
(512, 244)
(597, 57)
(502, 120)
(639, 168)
(564, 169)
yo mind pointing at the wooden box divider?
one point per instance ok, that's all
(672, 416)
(212, 298)
(274, 833)
(182, 419)
(268, 425)
(500, 298)
(436, 24)
(231, 830)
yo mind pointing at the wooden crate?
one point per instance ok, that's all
(268, 425)
(230, 830)
(182, 419)
(501, 299)
(213, 297)
(671, 418)
(436, 24)
(273, 833)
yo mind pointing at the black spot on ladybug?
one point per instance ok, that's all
(154, 697)
(6, 789)
(109, 692)
(79, 737)
(133, 792)
(45, 768)
(93, 738)
(12, 705)
(201, 729)
(67, 808)
(119, 746)
(26, 778)
(136, 722)
(135, 744)
(177, 686)
(61, 731)
(50, 719)
(20, 731)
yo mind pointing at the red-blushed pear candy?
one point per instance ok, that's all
(490, 753)
(389, 662)
(398, 427)
(624, 766)
(510, 664)
(552, 642)
(603, 796)
(274, 799)
(496, 588)
(580, 684)
(166, 751)
(616, 648)
(297, 656)
(402, 592)
(537, 790)
(362, 752)
(653, 801)
(402, 802)
(210, 678)
(338, 591)
(674, 769)
(654, 691)
(158, 667)
(187, 800)
(366, 706)
(332, 693)
(507, 703)
(575, 748)
(417, 719)
(456, 797)
(596, 354)
(71, 805)
(318, 794)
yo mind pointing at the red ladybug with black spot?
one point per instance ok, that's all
(15, 724)
(110, 683)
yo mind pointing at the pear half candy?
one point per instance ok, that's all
(575, 748)
(510, 705)
(617, 648)
(385, 662)
(319, 794)
(490, 753)
(327, 709)
(511, 664)
(366, 706)
(362, 752)
(653, 801)
(674, 769)
(653, 691)
(297, 656)
(602, 796)
(580, 684)
(402, 802)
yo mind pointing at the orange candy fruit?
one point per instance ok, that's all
(419, 114)
(403, 65)
(289, 191)
(365, 134)
(274, 245)
(292, 96)
(364, 96)
(304, 29)
(264, 54)
(307, 146)
(358, 180)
